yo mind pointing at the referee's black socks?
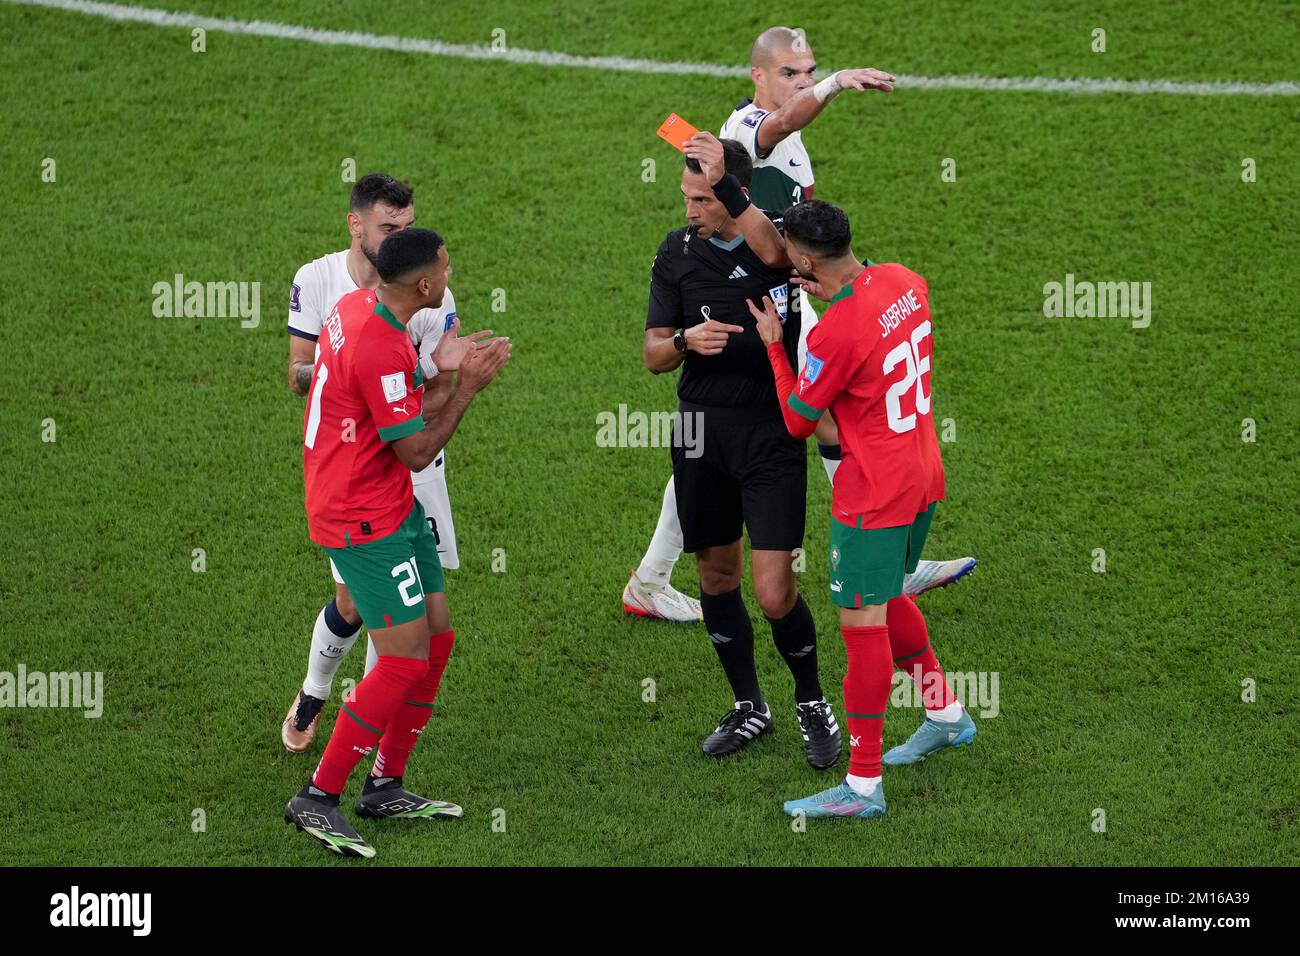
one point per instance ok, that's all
(727, 621)
(795, 637)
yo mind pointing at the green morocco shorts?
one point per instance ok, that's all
(390, 577)
(868, 564)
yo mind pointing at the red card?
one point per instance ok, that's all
(677, 131)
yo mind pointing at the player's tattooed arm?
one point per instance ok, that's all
(478, 368)
(302, 358)
(804, 107)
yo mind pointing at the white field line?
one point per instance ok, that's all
(371, 41)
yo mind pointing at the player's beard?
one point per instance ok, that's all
(371, 254)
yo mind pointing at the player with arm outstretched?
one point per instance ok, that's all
(786, 99)
(363, 435)
(870, 360)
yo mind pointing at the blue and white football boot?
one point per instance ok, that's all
(840, 800)
(931, 737)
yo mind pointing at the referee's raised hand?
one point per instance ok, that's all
(709, 337)
(706, 149)
(769, 320)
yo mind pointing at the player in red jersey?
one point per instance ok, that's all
(869, 362)
(363, 435)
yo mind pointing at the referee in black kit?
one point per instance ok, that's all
(748, 472)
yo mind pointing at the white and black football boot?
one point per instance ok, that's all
(821, 734)
(737, 728)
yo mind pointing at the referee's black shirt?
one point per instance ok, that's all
(693, 278)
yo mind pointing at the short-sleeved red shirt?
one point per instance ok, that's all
(366, 391)
(869, 363)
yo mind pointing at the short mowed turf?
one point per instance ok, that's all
(1146, 713)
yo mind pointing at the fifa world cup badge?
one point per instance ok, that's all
(835, 559)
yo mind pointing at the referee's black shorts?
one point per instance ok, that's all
(748, 472)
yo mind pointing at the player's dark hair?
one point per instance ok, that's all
(734, 157)
(819, 227)
(405, 251)
(379, 187)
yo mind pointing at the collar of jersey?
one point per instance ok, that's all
(381, 310)
(730, 244)
(848, 288)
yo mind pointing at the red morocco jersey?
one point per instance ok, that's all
(366, 391)
(869, 363)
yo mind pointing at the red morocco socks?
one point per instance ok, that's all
(866, 695)
(909, 642)
(362, 719)
(416, 708)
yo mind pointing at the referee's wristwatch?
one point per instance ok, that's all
(679, 340)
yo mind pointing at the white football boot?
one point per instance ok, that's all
(663, 602)
(936, 574)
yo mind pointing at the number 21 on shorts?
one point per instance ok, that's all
(410, 576)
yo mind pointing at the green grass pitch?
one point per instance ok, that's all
(1120, 691)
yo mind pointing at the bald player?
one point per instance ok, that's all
(786, 99)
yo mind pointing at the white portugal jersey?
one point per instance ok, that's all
(322, 282)
(781, 178)
(317, 286)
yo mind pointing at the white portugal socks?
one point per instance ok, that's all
(666, 546)
(331, 639)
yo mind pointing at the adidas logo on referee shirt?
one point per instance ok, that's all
(738, 273)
